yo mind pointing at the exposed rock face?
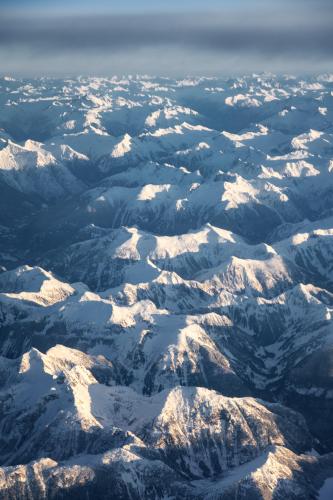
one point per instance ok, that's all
(166, 289)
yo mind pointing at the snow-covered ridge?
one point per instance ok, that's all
(170, 422)
(166, 277)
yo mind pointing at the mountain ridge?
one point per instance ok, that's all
(166, 288)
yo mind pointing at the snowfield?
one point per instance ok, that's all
(166, 288)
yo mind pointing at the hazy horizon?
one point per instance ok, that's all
(214, 38)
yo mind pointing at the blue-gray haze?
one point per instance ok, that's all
(170, 38)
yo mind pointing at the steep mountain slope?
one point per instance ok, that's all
(166, 280)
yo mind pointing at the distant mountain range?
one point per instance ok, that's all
(166, 288)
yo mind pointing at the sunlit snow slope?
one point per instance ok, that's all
(166, 288)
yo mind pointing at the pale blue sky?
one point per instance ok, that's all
(125, 5)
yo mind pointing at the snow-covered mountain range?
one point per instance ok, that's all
(166, 288)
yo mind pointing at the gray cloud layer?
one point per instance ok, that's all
(304, 37)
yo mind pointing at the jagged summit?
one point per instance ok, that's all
(166, 288)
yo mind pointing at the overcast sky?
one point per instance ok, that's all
(173, 37)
